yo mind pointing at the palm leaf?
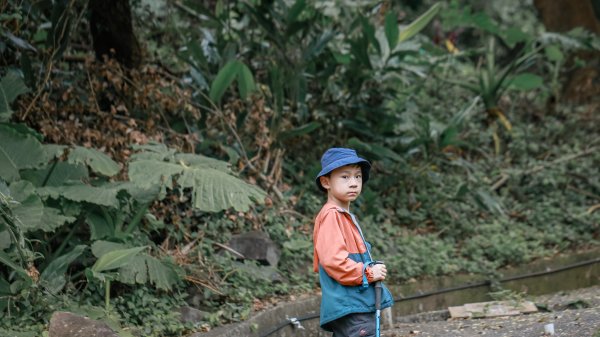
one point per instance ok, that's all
(416, 26)
(223, 80)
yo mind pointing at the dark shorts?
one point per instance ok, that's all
(354, 325)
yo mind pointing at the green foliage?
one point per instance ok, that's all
(418, 24)
(53, 278)
(151, 313)
(133, 265)
(11, 86)
(214, 188)
(97, 161)
(113, 259)
(231, 71)
(47, 194)
(18, 152)
(309, 75)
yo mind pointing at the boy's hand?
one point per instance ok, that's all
(379, 271)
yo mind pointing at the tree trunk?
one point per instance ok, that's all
(562, 16)
(112, 32)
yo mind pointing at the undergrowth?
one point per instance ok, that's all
(451, 191)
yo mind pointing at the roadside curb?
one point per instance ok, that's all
(260, 324)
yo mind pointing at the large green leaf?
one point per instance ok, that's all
(100, 227)
(31, 212)
(54, 151)
(5, 240)
(116, 259)
(54, 218)
(30, 209)
(213, 187)
(142, 267)
(196, 160)
(18, 151)
(416, 26)
(245, 79)
(145, 268)
(56, 174)
(391, 29)
(81, 192)
(153, 150)
(223, 80)
(8, 261)
(53, 276)
(526, 81)
(147, 173)
(142, 195)
(100, 248)
(233, 70)
(11, 86)
(213, 190)
(96, 160)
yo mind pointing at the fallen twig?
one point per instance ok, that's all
(203, 283)
(582, 192)
(561, 160)
(503, 179)
(229, 249)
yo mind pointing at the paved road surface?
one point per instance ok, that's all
(574, 314)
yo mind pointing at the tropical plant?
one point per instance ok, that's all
(53, 189)
(491, 81)
(109, 259)
(349, 58)
(267, 86)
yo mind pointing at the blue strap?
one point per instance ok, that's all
(365, 283)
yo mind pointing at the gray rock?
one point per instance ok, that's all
(192, 315)
(66, 324)
(256, 245)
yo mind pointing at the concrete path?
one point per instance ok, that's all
(574, 314)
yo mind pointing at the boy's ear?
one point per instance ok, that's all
(324, 182)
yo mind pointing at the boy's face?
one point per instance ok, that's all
(343, 184)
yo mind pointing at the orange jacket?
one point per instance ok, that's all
(335, 238)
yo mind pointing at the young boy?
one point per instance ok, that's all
(342, 257)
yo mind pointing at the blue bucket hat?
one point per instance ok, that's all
(337, 157)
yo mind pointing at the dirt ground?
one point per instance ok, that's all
(574, 314)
